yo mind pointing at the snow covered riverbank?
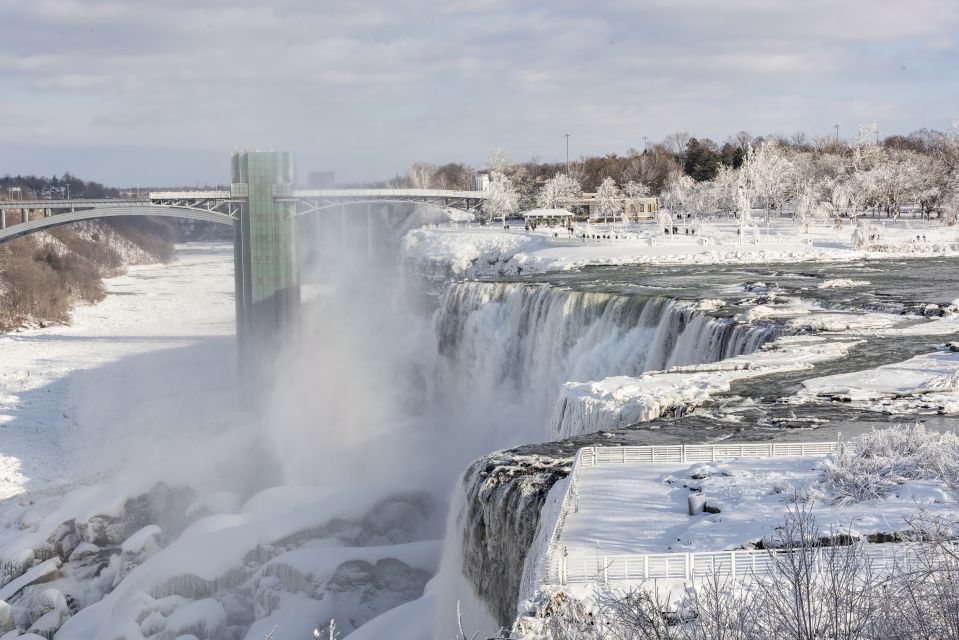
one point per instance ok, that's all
(143, 500)
(119, 373)
(492, 251)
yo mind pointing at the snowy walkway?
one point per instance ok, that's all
(129, 360)
(642, 508)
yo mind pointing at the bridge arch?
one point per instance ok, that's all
(99, 213)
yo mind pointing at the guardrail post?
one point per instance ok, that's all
(646, 567)
(732, 564)
(682, 454)
(689, 566)
(562, 566)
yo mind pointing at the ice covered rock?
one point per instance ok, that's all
(43, 572)
(64, 539)
(362, 590)
(84, 550)
(136, 549)
(46, 601)
(154, 623)
(48, 624)
(203, 618)
(214, 503)
(162, 505)
(6, 617)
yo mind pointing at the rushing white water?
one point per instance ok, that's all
(510, 345)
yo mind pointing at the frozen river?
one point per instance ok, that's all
(77, 400)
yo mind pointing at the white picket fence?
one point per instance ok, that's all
(563, 569)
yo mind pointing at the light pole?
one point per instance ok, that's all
(645, 144)
(566, 135)
(837, 133)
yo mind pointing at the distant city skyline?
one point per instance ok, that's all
(160, 93)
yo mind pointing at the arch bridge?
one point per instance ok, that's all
(262, 205)
(222, 207)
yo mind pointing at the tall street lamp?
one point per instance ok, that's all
(566, 135)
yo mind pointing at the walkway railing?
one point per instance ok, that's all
(703, 452)
(692, 566)
(563, 569)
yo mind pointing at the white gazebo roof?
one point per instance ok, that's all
(547, 213)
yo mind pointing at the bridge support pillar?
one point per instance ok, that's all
(369, 230)
(3, 218)
(24, 215)
(267, 284)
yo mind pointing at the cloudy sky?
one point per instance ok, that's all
(159, 92)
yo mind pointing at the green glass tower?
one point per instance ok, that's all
(267, 285)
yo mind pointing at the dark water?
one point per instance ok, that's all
(756, 409)
(894, 285)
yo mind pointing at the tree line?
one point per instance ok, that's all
(811, 179)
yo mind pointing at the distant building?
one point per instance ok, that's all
(482, 181)
(321, 180)
(638, 209)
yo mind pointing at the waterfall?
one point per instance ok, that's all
(509, 348)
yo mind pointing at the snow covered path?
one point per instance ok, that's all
(642, 508)
(121, 373)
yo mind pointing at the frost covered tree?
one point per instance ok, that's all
(502, 199)
(744, 206)
(609, 203)
(559, 192)
(768, 172)
(866, 234)
(633, 192)
(898, 180)
(421, 175)
(677, 193)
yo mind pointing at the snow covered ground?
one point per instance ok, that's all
(130, 360)
(483, 251)
(141, 499)
(642, 508)
(922, 384)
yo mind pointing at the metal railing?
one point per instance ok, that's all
(703, 452)
(692, 566)
(563, 569)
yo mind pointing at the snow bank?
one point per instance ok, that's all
(929, 381)
(876, 464)
(842, 283)
(490, 251)
(615, 402)
(481, 253)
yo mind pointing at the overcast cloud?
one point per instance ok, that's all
(159, 92)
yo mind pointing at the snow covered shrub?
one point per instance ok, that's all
(875, 464)
(865, 235)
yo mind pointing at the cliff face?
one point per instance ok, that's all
(504, 499)
(43, 275)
